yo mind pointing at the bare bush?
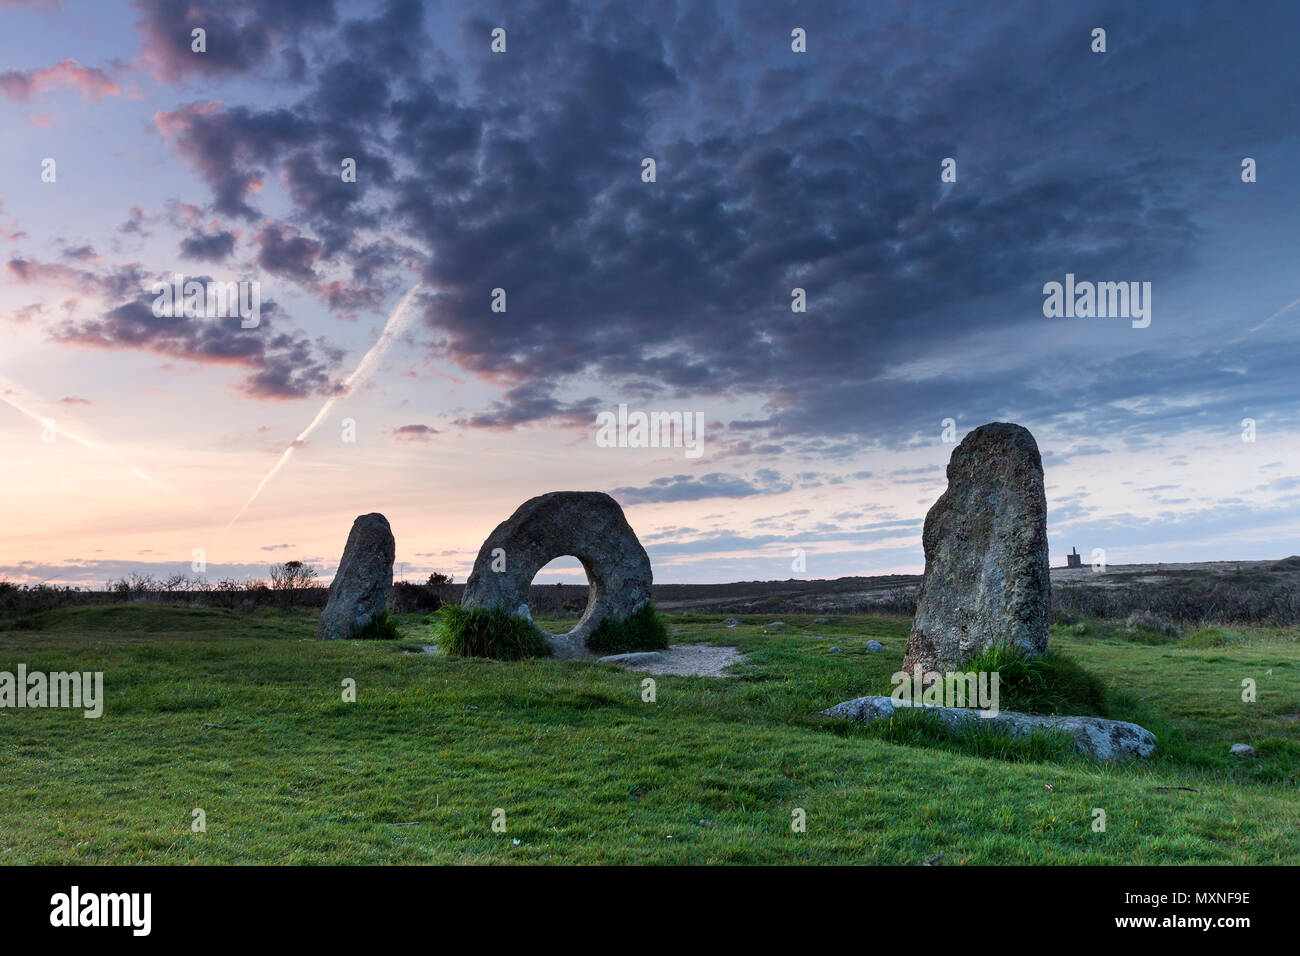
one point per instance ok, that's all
(1147, 621)
(18, 602)
(291, 582)
(900, 600)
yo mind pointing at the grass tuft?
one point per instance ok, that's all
(381, 628)
(916, 728)
(643, 631)
(489, 632)
(1052, 684)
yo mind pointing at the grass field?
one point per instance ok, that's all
(242, 715)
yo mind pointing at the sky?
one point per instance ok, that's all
(140, 442)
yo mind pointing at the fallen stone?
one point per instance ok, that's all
(1243, 750)
(873, 646)
(425, 649)
(588, 525)
(698, 660)
(634, 659)
(359, 592)
(833, 649)
(1094, 737)
(775, 624)
(985, 539)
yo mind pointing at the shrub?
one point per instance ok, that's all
(1148, 624)
(1052, 684)
(642, 631)
(381, 628)
(899, 600)
(406, 597)
(291, 580)
(1257, 599)
(489, 632)
(1206, 637)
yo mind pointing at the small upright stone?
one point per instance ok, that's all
(985, 539)
(359, 592)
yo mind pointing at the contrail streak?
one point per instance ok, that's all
(395, 325)
(1282, 311)
(6, 396)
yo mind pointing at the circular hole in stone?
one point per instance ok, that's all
(549, 601)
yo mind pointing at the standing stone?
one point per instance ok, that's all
(590, 526)
(986, 573)
(359, 592)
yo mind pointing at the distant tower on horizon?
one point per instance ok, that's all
(1074, 559)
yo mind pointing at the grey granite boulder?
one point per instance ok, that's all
(634, 659)
(590, 526)
(1094, 737)
(985, 540)
(359, 592)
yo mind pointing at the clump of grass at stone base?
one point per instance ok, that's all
(381, 628)
(643, 631)
(488, 632)
(1052, 684)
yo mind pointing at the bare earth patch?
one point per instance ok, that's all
(701, 660)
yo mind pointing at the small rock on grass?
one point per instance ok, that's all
(873, 646)
(1243, 750)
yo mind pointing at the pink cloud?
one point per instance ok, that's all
(9, 231)
(92, 83)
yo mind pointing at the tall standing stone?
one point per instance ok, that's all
(359, 592)
(986, 571)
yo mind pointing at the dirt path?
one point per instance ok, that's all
(703, 660)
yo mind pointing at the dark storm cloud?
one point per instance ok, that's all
(209, 246)
(714, 485)
(420, 433)
(533, 402)
(112, 282)
(135, 223)
(289, 255)
(83, 253)
(522, 171)
(230, 148)
(240, 33)
(279, 365)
